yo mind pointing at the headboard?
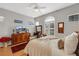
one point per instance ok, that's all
(77, 49)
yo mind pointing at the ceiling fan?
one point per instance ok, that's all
(36, 7)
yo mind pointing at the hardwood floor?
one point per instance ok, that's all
(6, 51)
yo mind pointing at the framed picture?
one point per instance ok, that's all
(39, 28)
(61, 27)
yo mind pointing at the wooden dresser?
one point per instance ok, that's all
(19, 41)
(19, 38)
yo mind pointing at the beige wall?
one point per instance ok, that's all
(62, 16)
(7, 25)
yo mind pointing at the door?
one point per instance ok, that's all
(49, 28)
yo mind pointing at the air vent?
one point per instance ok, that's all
(74, 17)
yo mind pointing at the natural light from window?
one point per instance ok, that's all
(49, 19)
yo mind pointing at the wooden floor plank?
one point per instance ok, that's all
(6, 51)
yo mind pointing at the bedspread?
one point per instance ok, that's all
(44, 47)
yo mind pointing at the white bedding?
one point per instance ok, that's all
(44, 47)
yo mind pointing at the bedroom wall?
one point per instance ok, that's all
(7, 25)
(62, 16)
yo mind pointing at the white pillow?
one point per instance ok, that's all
(70, 43)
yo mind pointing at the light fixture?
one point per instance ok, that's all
(37, 10)
(37, 23)
(36, 7)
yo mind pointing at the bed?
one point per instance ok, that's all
(48, 46)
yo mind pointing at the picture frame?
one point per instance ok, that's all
(60, 27)
(39, 28)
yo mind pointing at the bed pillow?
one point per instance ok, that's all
(70, 43)
(61, 44)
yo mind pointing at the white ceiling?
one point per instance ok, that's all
(27, 8)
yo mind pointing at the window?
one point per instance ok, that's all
(74, 18)
(49, 19)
